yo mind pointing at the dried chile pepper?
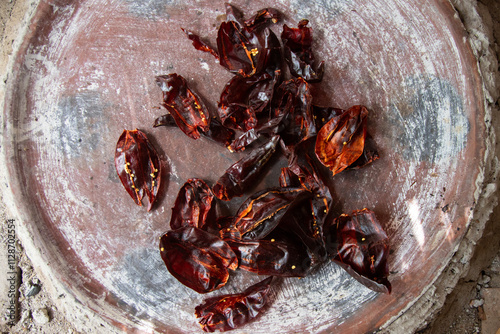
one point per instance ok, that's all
(295, 105)
(198, 259)
(138, 166)
(262, 18)
(193, 205)
(281, 255)
(164, 120)
(360, 245)
(243, 98)
(308, 227)
(261, 213)
(227, 312)
(370, 152)
(269, 128)
(243, 173)
(219, 133)
(297, 45)
(369, 155)
(186, 108)
(341, 141)
(216, 131)
(240, 47)
(307, 220)
(199, 44)
(323, 114)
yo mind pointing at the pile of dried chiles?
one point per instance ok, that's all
(283, 231)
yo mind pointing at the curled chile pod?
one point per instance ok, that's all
(370, 154)
(261, 213)
(240, 47)
(239, 50)
(227, 312)
(199, 44)
(297, 45)
(186, 108)
(219, 133)
(360, 245)
(138, 166)
(323, 114)
(303, 221)
(244, 173)
(295, 102)
(263, 17)
(192, 205)
(278, 256)
(341, 141)
(198, 259)
(216, 131)
(243, 98)
(164, 120)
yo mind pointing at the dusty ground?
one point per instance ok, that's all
(469, 308)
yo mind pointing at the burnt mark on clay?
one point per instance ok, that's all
(143, 286)
(149, 9)
(326, 8)
(81, 124)
(429, 120)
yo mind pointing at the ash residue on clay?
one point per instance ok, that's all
(149, 8)
(82, 124)
(329, 8)
(144, 287)
(434, 122)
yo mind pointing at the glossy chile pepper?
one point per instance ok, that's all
(185, 107)
(297, 45)
(307, 219)
(216, 131)
(242, 99)
(198, 259)
(262, 212)
(370, 151)
(243, 174)
(240, 48)
(295, 100)
(360, 245)
(341, 141)
(193, 205)
(279, 255)
(228, 312)
(138, 166)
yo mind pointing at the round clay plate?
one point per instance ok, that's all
(86, 71)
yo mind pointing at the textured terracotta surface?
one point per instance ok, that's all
(86, 71)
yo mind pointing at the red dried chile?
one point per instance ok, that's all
(341, 141)
(262, 18)
(244, 173)
(216, 131)
(198, 259)
(243, 98)
(295, 106)
(227, 312)
(186, 108)
(261, 213)
(138, 166)
(297, 45)
(281, 255)
(361, 246)
(240, 48)
(192, 205)
(370, 154)
(307, 220)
